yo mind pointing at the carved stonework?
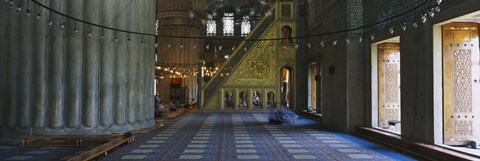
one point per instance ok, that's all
(462, 76)
(258, 69)
(460, 83)
(214, 103)
(391, 83)
(287, 55)
(463, 127)
(258, 66)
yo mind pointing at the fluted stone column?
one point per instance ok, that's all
(61, 81)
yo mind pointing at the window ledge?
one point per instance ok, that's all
(422, 150)
(312, 115)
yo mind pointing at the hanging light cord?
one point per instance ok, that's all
(119, 14)
(217, 38)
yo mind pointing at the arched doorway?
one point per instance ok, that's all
(286, 83)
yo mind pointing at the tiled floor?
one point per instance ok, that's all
(247, 136)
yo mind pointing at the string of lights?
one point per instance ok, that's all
(233, 39)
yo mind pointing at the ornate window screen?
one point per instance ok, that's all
(211, 28)
(228, 24)
(246, 27)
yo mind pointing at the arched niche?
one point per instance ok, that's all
(242, 99)
(228, 99)
(257, 99)
(270, 99)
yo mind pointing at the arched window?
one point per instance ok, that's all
(211, 28)
(246, 27)
(228, 24)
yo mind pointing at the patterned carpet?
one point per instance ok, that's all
(45, 153)
(230, 136)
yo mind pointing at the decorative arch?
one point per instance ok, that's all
(228, 99)
(242, 99)
(271, 99)
(287, 35)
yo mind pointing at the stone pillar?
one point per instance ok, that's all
(200, 64)
(236, 99)
(249, 98)
(222, 99)
(75, 79)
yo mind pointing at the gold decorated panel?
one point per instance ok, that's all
(258, 68)
(214, 103)
(286, 51)
(287, 55)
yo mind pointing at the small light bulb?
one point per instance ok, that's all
(391, 30)
(360, 39)
(415, 24)
(424, 18)
(437, 9)
(62, 26)
(116, 39)
(347, 41)
(75, 29)
(439, 1)
(322, 44)
(309, 45)
(90, 33)
(143, 43)
(50, 23)
(431, 12)
(404, 26)
(335, 43)
(19, 9)
(372, 36)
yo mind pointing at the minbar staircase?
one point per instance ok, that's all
(235, 59)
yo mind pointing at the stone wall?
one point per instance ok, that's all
(346, 97)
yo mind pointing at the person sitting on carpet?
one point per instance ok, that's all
(281, 115)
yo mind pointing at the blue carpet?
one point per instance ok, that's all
(248, 136)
